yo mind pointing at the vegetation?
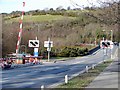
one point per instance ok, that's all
(65, 52)
(38, 18)
(84, 79)
(69, 27)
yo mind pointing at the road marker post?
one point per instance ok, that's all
(93, 66)
(86, 69)
(42, 87)
(66, 79)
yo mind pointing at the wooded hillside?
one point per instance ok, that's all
(64, 27)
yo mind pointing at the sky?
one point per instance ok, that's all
(7, 6)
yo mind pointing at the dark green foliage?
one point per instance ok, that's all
(64, 52)
(81, 27)
(73, 52)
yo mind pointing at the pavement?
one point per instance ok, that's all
(109, 77)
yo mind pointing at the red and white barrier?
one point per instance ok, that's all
(20, 31)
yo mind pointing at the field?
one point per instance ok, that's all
(39, 18)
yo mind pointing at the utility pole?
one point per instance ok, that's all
(111, 40)
(49, 49)
(0, 36)
(37, 30)
(111, 35)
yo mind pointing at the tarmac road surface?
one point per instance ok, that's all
(49, 74)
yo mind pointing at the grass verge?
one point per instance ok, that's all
(85, 79)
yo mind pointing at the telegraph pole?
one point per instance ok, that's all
(111, 35)
(111, 41)
(49, 49)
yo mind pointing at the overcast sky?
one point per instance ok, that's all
(7, 6)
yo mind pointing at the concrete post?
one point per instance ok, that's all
(86, 69)
(42, 87)
(93, 66)
(66, 79)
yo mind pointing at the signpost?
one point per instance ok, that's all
(34, 44)
(36, 52)
(48, 44)
(105, 44)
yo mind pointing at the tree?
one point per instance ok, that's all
(68, 8)
(107, 13)
(51, 9)
(59, 8)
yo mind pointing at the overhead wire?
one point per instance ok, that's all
(75, 4)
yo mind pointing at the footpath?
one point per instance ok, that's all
(109, 78)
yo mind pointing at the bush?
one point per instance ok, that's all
(73, 52)
(64, 52)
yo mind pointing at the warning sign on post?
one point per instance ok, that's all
(106, 44)
(48, 43)
(33, 43)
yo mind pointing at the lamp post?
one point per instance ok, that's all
(111, 40)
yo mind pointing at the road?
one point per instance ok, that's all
(49, 74)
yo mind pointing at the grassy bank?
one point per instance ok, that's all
(84, 79)
(39, 18)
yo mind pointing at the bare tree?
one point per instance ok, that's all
(107, 12)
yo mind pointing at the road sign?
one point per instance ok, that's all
(48, 43)
(49, 49)
(33, 43)
(36, 52)
(106, 44)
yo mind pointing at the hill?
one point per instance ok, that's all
(39, 18)
(65, 28)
